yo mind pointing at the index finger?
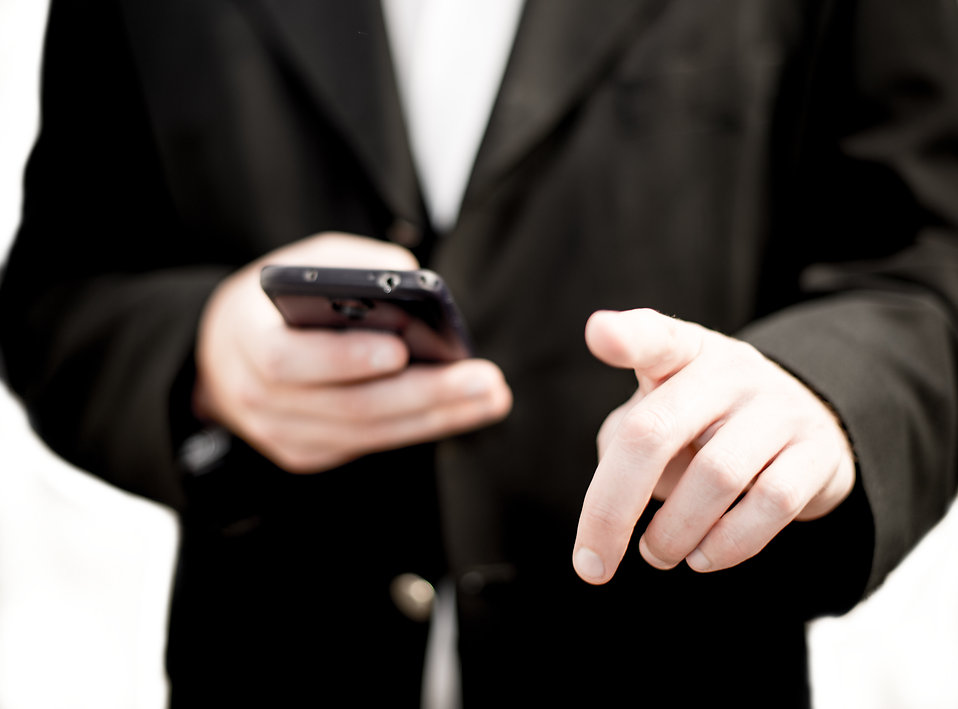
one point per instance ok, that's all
(645, 440)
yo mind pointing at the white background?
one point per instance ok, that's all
(85, 569)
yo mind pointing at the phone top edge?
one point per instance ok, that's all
(368, 281)
(421, 293)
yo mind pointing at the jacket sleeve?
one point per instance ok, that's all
(878, 339)
(104, 286)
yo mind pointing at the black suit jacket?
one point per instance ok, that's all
(782, 171)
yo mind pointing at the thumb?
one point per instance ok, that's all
(654, 345)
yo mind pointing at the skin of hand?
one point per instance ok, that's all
(313, 399)
(712, 420)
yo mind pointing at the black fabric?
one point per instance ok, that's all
(782, 171)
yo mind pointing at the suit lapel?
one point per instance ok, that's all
(560, 48)
(341, 50)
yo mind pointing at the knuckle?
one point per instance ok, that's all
(605, 520)
(727, 546)
(780, 498)
(273, 361)
(673, 333)
(609, 426)
(250, 394)
(647, 428)
(723, 469)
(742, 357)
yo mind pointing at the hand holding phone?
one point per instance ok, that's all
(319, 393)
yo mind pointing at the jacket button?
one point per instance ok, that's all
(405, 233)
(413, 596)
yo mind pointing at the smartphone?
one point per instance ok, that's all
(415, 305)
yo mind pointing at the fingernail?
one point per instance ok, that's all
(588, 565)
(698, 561)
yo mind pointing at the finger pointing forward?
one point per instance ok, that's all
(647, 436)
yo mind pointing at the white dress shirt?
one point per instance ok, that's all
(450, 56)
